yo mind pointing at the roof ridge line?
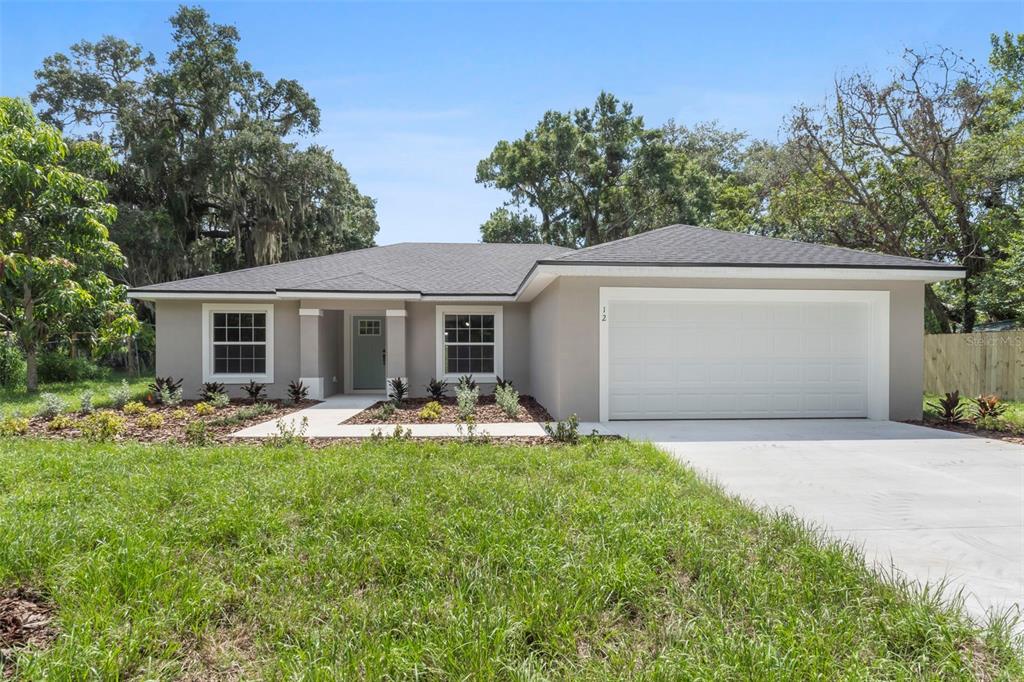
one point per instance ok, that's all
(622, 239)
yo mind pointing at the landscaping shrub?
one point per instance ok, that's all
(180, 413)
(437, 388)
(431, 412)
(196, 433)
(12, 362)
(203, 409)
(211, 389)
(171, 397)
(57, 367)
(466, 381)
(256, 392)
(386, 411)
(60, 422)
(297, 392)
(51, 405)
(102, 426)
(565, 431)
(134, 408)
(13, 426)
(162, 385)
(507, 399)
(502, 383)
(398, 389)
(85, 402)
(151, 421)
(988, 407)
(949, 409)
(121, 394)
(219, 400)
(467, 398)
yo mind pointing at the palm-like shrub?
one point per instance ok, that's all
(436, 388)
(948, 408)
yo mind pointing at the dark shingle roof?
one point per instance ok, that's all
(688, 245)
(430, 269)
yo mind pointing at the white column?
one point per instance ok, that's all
(395, 336)
(310, 320)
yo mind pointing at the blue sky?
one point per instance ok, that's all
(413, 95)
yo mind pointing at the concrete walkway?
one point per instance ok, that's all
(934, 504)
(325, 421)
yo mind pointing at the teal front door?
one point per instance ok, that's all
(368, 352)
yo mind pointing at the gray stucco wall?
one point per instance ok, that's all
(179, 345)
(421, 345)
(571, 309)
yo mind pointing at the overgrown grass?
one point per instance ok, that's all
(19, 400)
(1013, 417)
(448, 562)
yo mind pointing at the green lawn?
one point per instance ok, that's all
(1014, 416)
(14, 400)
(410, 560)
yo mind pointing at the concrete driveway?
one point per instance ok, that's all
(933, 503)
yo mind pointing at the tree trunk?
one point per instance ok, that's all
(934, 304)
(28, 340)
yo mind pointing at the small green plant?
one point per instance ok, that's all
(85, 402)
(466, 398)
(507, 399)
(13, 425)
(102, 426)
(219, 401)
(948, 408)
(437, 388)
(60, 423)
(468, 431)
(564, 431)
(430, 412)
(121, 394)
(289, 432)
(385, 411)
(151, 421)
(244, 414)
(204, 409)
(180, 413)
(990, 423)
(297, 392)
(399, 434)
(162, 385)
(197, 434)
(502, 383)
(51, 405)
(466, 381)
(398, 389)
(256, 392)
(211, 389)
(134, 408)
(171, 397)
(988, 407)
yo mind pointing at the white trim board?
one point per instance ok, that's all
(208, 374)
(878, 333)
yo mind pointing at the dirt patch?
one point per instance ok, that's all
(26, 620)
(219, 425)
(1016, 437)
(487, 412)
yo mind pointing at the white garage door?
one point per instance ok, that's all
(698, 354)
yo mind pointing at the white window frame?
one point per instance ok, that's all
(499, 335)
(208, 310)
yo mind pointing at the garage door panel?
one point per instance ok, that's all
(686, 359)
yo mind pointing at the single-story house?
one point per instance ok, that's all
(676, 323)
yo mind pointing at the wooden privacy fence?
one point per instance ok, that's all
(990, 362)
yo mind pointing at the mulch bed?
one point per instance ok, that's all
(487, 412)
(1016, 437)
(26, 620)
(175, 420)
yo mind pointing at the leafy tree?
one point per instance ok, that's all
(54, 245)
(210, 177)
(910, 167)
(592, 175)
